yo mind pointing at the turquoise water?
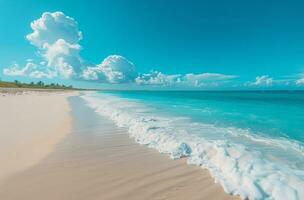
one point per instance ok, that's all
(273, 113)
(252, 142)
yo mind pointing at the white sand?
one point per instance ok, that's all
(30, 125)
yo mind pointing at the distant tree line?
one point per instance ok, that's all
(39, 84)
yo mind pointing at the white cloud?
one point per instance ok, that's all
(157, 78)
(56, 37)
(51, 27)
(300, 81)
(30, 69)
(207, 79)
(113, 69)
(263, 80)
(118, 69)
(15, 70)
(63, 57)
(196, 80)
(91, 74)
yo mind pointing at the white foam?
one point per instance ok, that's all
(231, 155)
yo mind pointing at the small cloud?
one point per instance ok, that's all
(14, 70)
(29, 60)
(196, 80)
(113, 69)
(207, 79)
(300, 81)
(263, 80)
(30, 69)
(157, 78)
(91, 74)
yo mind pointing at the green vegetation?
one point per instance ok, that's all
(39, 84)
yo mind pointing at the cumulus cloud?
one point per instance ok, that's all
(197, 80)
(56, 37)
(263, 80)
(113, 69)
(63, 57)
(53, 26)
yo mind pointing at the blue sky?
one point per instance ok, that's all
(187, 44)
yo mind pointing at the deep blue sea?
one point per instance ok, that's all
(252, 142)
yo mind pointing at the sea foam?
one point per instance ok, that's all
(231, 155)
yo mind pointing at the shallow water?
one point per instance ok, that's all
(252, 142)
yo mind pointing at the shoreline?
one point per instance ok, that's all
(98, 160)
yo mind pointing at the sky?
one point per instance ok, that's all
(154, 44)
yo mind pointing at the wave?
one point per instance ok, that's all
(231, 155)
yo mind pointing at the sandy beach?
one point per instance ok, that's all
(32, 122)
(55, 147)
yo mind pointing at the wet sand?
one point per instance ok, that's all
(98, 160)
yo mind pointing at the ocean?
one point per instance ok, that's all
(252, 142)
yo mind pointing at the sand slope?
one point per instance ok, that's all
(99, 161)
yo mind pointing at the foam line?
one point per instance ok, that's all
(231, 155)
